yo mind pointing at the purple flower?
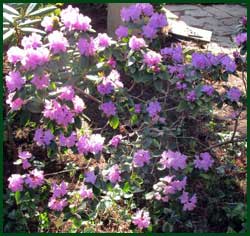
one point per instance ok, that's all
(106, 87)
(33, 41)
(153, 108)
(158, 20)
(83, 145)
(229, 64)
(149, 31)
(204, 161)
(43, 137)
(86, 193)
(90, 177)
(138, 108)
(241, 38)
(15, 183)
(40, 82)
(188, 203)
(181, 86)
(133, 12)
(121, 32)
(174, 160)
(96, 142)
(67, 141)
(146, 8)
(16, 104)
(59, 190)
(35, 178)
(208, 89)
(141, 219)
(57, 42)
(141, 157)
(15, 54)
(174, 53)
(57, 204)
(136, 43)
(234, 94)
(87, 48)
(152, 58)
(115, 141)
(191, 96)
(114, 174)
(108, 108)
(24, 156)
(114, 78)
(200, 61)
(14, 81)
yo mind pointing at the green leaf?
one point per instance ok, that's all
(8, 17)
(131, 61)
(126, 188)
(158, 85)
(8, 34)
(134, 119)
(10, 9)
(43, 11)
(29, 22)
(114, 122)
(18, 197)
(29, 29)
(30, 8)
(93, 78)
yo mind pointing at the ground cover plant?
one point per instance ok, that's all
(119, 134)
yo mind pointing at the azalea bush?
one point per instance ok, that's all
(121, 124)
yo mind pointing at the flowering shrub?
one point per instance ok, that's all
(141, 155)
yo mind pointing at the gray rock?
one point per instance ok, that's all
(232, 9)
(197, 13)
(182, 7)
(219, 14)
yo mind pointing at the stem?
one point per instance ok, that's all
(63, 171)
(88, 96)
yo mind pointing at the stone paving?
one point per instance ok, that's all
(221, 19)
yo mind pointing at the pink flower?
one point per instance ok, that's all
(73, 20)
(57, 42)
(154, 108)
(108, 108)
(114, 174)
(138, 108)
(35, 178)
(15, 54)
(14, 81)
(15, 183)
(136, 43)
(204, 161)
(24, 156)
(57, 204)
(33, 41)
(141, 219)
(114, 78)
(133, 12)
(103, 41)
(115, 140)
(16, 104)
(174, 160)
(111, 62)
(152, 58)
(48, 23)
(35, 57)
(40, 82)
(90, 177)
(67, 93)
(141, 157)
(68, 141)
(121, 32)
(87, 48)
(86, 193)
(59, 190)
(43, 137)
(79, 104)
(188, 203)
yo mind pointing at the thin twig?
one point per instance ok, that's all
(64, 171)
(225, 143)
(88, 96)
